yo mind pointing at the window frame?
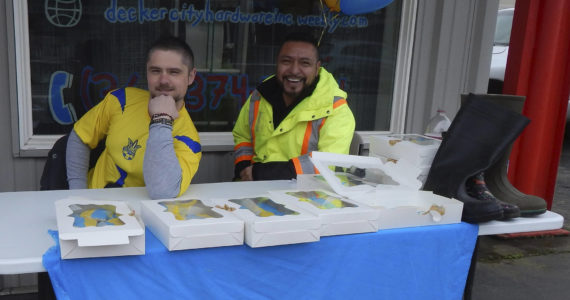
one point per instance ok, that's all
(30, 145)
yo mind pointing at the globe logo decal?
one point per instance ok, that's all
(63, 13)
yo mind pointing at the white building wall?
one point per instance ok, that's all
(452, 55)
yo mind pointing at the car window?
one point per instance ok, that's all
(503, 28)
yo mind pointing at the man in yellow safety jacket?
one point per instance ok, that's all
(298, 110)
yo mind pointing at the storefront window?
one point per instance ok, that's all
(79, 50)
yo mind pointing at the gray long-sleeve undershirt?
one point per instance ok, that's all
(77, 161)
(161, 169)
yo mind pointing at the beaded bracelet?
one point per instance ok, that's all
(155, 116)
(161, 121)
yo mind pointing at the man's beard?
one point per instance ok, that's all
(305, 92)
(176, 96)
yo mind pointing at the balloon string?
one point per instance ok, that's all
(326, 22)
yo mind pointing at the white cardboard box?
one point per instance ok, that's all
(417, 149)
(312, 181)
(424, 170)
(338, 215)
(408, 208)
(269, 222)
(191, 224)
(119, 232)
(363, 173)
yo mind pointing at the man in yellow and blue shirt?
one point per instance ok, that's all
(150, 139)
(298, 110)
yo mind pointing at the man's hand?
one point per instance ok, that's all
(246, 174)
(163, 104)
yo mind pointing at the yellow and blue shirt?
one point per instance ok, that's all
(122, 118)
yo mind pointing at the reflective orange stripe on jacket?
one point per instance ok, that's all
(338, 101)
(303, 165)
(243, 151)
(311, 137)
(253, 112)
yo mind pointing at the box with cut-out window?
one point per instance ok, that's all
(269, 222)
(349, 175)
(98, 228)
(338, 214)
(192, 223)
(391, 187)
(417, 149)
(411, 208)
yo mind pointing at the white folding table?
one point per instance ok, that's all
(27, 216)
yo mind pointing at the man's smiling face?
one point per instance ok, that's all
(168, 74)
(297, 68)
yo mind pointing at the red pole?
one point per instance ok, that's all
(538, 67)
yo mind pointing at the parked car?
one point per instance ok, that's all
(501, 51)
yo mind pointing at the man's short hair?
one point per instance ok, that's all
(173, 43)
(301, 36)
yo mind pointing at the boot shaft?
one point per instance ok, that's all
(479, 134)
(512, 102)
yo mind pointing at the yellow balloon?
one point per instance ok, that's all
(334, 5)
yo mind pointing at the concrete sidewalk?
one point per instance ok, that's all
(529, 267)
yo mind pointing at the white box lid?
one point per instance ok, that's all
(70, 209)
(420, 202)
(417, 149)
(327, 205)
(377, 175)
(289, 218)
(215, 220)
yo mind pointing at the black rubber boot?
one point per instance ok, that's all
(478, 136)
(496, 176)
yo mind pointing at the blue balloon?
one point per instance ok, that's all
(357, 7)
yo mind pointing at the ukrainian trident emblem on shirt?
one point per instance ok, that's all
(130, 149)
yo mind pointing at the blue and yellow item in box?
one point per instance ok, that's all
(189, 209)
(87, 215)
(263, 207)
(320, 199)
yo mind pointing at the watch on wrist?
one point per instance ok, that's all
(161, 121)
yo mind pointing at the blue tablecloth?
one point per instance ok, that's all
(429, 262)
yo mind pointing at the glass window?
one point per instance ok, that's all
(503, 27)
(79, 50)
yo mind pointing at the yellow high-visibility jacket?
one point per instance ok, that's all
(320, 122)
